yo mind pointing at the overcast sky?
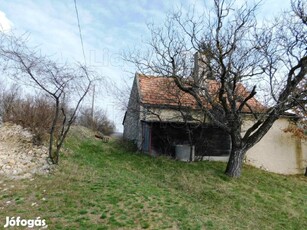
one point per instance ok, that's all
(108, 27)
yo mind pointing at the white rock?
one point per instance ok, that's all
(18, 158)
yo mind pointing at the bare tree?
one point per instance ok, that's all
(235, 53)
(58, 81)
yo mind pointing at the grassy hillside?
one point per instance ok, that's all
(108, 186)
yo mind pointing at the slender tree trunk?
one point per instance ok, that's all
(56, 155)
(235, 162)
(52, 130)
(59, 145)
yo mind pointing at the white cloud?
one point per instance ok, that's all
(5, 23)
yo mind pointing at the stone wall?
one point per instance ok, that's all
(132, 124)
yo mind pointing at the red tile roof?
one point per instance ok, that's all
(162, 91)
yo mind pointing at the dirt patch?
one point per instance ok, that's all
(19, 158)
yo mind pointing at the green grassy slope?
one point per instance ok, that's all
(107, 186)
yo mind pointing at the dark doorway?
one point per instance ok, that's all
(207, 139)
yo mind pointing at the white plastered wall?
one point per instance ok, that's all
(278, 151)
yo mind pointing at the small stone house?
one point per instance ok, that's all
(161, 119)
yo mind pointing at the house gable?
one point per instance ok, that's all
(131, 120)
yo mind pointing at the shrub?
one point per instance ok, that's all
(97, 121)
(33, 112)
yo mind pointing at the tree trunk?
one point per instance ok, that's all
(52, 130)
(56, 156)
(235, 162)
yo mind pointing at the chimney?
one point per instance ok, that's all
(201, 70)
